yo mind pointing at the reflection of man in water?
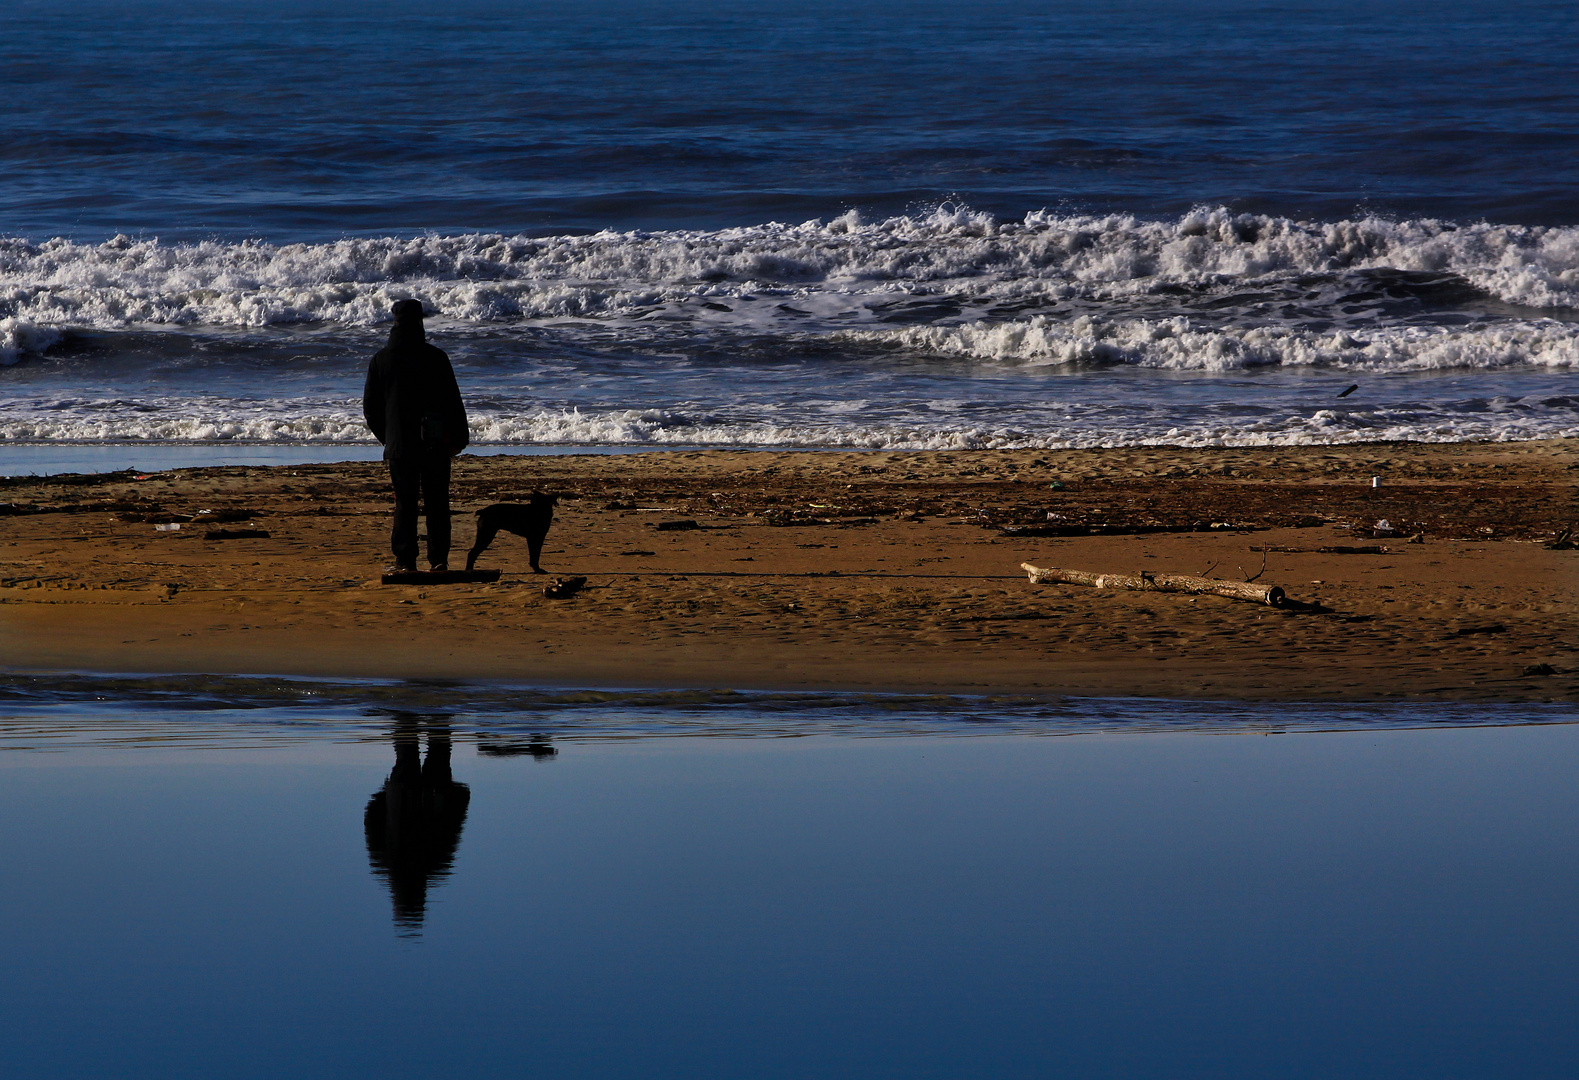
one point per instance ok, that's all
(414, 822)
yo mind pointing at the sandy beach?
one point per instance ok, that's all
(837, 570)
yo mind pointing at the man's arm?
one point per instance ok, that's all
(373, 401)
(455, 426)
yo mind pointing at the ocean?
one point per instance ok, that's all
(863, 224)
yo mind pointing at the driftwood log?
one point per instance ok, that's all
(1180, 583)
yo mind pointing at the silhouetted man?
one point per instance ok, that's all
(412, 404)
(413, 823)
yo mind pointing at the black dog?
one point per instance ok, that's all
(530, 520)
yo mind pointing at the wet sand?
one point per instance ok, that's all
(837, 570)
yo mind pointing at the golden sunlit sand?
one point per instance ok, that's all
(837, 570)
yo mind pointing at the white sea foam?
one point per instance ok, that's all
(843, 269)
(18, 336)
(1038, 428)
(725, 337)
(1178, 344)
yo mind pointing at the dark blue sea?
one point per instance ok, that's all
(851, 224)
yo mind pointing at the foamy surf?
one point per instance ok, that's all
(967, 257)
(1177, 343)
(949, 329)
(929, 426)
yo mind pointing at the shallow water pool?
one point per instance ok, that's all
(415, 892)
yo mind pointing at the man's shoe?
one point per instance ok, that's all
(402, 568)
(439, 567)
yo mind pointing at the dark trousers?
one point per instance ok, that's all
(429, 478)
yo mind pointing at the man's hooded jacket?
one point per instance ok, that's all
(411, 401)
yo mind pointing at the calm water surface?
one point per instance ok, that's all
(1363, 903)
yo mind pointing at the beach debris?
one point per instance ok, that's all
(1123, 529)
(236, 534)
(1258, 573)
(439, 577)
(638, 551)
(1056, 485)
(30, 581)
(1376, 482)
(171, 526)
(222, 517)
(681, 525)
(1327, 549)
(779, 519)
(628, 504)
(1490, 628)
(1383, 528)
(1539, 669)
(1145, 581)
(1349, 390)
(564, 588)
(1564, 541)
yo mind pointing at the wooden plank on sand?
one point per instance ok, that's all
(1144, 582)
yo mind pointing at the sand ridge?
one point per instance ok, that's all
(859, 570)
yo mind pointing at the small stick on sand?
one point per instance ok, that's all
(1258, 573)
(1181, 583)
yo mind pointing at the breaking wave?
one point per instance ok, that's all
(945, 330)
(846, 266)
(1176, 343)
(18, 336)
(1037, 427)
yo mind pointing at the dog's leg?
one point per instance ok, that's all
(534, 547)
(486, 531)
